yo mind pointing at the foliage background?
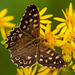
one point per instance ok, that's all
(17, 8)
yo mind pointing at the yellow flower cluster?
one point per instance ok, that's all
(4, 23)
(67, 34)
(29, 71)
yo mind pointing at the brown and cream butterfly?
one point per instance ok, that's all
(27, 47)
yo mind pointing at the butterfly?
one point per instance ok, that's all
(26, 45)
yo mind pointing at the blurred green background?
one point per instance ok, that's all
(17, 8)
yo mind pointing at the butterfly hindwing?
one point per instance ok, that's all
(48, 57)
(30, 23)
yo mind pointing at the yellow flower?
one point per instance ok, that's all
(33, 71)
(4, 22)
(67, 48)
(68, 24)
(26, 71)
(42, 18)
(73, 67)
(49, 36)
(70, 63)
(67, 58)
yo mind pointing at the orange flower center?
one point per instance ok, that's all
(72, 36)
(50, 39)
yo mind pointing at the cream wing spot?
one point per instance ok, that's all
(33, 9)
(30, 14)
(30, 62)
(26, 22)
(35, 25)
(31, 20)
(41, 59)
(25, 62)
(20, 35)
(59, 61)
(35, 21)
(27, 28)
(35, 56)
(46, 61)
(29, 57)
(52, 54)
(35, 15)
(18, 31)
(48, 52)
(56, 57)
(54, 62)
(24, 27)
(50, 58)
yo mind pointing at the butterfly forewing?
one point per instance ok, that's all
(30, 23)
(48, 57)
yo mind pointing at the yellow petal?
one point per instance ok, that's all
(34, 70)
(66, 34)
(55, 72)
(42, 69)
(20, 71)
(45, 21)
(64, 13)
(43, 11)
(55, 31)
(63, 30)
(73, 44)
(46, 16)
(60, 42)
(44, 72)
(3, 12)
(8, 24)
(8, 18)
(25, 71)
(59, 19)
(70, 63)
(70, 26)
(42, 32)
(30, 70)
(42, 26)
(48, 28)
(70, 9)
(60, 25)
(3, 33)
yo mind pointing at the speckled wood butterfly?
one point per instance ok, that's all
(27, 47)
